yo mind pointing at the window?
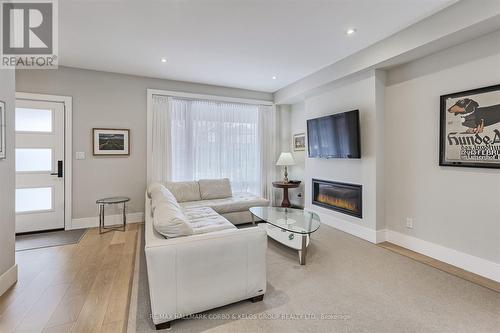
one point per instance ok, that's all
(213, 139)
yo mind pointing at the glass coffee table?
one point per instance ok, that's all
(288, 226)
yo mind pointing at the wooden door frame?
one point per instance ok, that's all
(68, 145)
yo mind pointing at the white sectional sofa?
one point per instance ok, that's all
(216, 194)
(206, 262)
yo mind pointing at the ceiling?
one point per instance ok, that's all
(235, 43)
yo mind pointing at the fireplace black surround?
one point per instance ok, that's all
(341, 197)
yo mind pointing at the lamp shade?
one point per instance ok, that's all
(285, 159)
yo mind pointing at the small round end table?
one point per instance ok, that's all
(285, 186)
(112, 201)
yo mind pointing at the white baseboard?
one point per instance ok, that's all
(351, 228)
(92, 222)
(453, 257)
(7, 279)
(381, 236)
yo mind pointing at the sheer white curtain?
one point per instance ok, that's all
(213, 139)
(268, 153)
(161, 141)
(200, 139)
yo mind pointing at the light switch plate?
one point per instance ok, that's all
(80, 155)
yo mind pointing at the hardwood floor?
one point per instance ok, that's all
(474, 278)
(82, 287)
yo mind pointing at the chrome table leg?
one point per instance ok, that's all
(101, 218)
(303, 250)
(124, 216)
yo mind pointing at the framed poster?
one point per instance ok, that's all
(111, 142)
(2, 130)
(299, 142)
(470, 128)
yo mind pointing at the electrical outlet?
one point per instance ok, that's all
(409, 223)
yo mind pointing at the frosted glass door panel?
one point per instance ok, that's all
(33, 199)
(33, 159)
(33, 120)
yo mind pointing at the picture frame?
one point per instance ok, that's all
(299, 142)
(469, 129)
(3, 128)
(111, 142)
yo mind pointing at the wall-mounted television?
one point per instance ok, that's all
(334, 136)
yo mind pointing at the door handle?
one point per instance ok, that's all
(59, 172)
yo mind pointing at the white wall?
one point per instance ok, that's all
(8, 271)
(297, 125)
(103, 99)
(359, 92)
(283, 131)
(290, 121)
(458, 208)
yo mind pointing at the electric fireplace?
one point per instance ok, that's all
(341, 197)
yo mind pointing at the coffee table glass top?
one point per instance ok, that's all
(289, 219)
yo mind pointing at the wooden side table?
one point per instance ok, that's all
(285, 186)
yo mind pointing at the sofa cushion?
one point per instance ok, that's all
(204, 220)
(237, 203)
(159, 194)
(153, 186)
(215, 188)
(184, 191)
(170, 221)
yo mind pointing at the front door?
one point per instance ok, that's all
(39, 165)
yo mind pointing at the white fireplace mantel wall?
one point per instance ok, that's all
(360, 92)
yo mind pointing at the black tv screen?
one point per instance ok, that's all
(334, 136)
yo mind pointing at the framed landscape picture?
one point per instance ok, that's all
(470, 128)
(2, 130)
(299, 142)
(111, 142)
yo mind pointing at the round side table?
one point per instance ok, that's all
(285, 186)
(112, 201)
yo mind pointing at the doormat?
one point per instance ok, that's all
(48, 239)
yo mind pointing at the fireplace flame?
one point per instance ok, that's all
(337, 202)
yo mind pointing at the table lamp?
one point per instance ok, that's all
(285, 160)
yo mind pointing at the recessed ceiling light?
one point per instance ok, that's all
(350, 31)
(274, 77)
(163, 59)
